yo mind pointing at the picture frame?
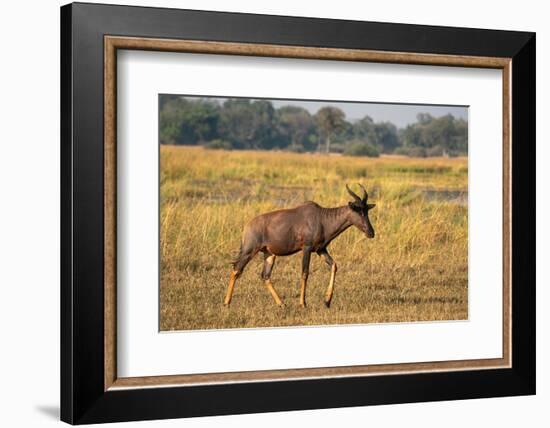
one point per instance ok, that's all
(91, 391)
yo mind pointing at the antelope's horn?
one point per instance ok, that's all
(365, 194)
(353, 195)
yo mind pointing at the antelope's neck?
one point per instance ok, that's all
(337, 222)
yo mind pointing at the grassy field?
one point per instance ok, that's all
(416, 269)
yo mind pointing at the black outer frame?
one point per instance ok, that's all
(83, 399)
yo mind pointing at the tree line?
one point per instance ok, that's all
(240, 123)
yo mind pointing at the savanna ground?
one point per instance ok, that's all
(415, 269)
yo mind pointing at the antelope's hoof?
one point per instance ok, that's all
(327, 303)
(303, 305)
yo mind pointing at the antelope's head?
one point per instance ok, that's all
(359, 212)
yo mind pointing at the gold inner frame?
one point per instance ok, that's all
(113, 43)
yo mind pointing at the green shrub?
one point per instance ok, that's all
(435, 151)
(412, 151)
(361, 148)
(218, 144)
(297, 148)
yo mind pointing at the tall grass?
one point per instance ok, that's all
(414, 270)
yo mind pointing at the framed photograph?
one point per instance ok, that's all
(265, 213)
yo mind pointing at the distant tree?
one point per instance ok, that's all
(165, 99)
(248, 124)
(460, 138)
(447, 133)
(329, 120)
(170, 122)
(411, 136)
(184, 121)
(383, 135)
(386, 137)
(264, 127)
(441, 131)
(203, 119)
(424, 118)
(236, 122)
(343, 134)
(295, 124)
(255, 124)
(363, 129)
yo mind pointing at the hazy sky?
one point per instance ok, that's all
(400, 114)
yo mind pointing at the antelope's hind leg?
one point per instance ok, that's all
(330, 262)
(238, 268)
(269, 261)
(305, 273)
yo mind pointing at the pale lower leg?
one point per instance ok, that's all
(229, 294)
(330, 289)
(303, 292)
(274, 294)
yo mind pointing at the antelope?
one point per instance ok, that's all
(308, 228)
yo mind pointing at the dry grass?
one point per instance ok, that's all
(416, 269)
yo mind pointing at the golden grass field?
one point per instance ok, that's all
(415, 269)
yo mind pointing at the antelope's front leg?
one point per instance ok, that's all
(305, 274)
(330, 262)
(269, 261)
(238, 267)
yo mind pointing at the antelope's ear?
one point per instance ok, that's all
(370, 206)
